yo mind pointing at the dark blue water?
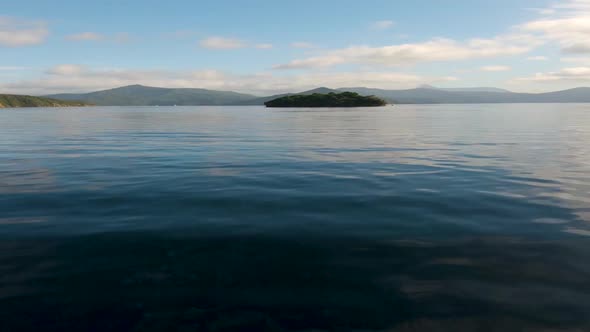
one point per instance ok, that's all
(406, 218)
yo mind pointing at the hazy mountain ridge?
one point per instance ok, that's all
(10, 101)
(475, 89)
(441, 96)
(138, 95)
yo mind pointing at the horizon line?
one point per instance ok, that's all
(423, 86)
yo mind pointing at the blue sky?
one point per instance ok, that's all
(263, 46)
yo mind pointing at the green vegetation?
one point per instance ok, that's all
(30, 101)
(332, 99)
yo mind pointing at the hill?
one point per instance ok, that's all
(425, 95)
(263, 100)
(332, 99)
(7, 101)
(139, 95)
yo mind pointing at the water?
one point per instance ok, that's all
(406, 218)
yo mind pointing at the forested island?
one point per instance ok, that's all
(332, 99)
(8, 101)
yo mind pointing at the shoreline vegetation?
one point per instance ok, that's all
(332, 99)
(17, 101)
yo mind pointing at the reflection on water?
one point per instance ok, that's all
(412, 218)
(577, 231)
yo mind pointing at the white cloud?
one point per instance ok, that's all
(495, 68)
(537, 58)
(584, 60)
(436, 50)
(567, 23)
(85, 36)
(314, 62)
(574, 74)
(221, 43)
(302, 45)
(76, 78)
(121, 37)
(580, 5)
(264, 46)
(16, 33)
(66, 70)
(382, 25)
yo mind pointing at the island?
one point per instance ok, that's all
(10, 101)
(332, 99)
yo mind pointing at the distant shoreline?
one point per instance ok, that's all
(143, 96)
(138, 95)
(2, 108)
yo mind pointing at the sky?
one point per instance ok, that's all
(271, 46)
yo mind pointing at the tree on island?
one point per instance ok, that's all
(344, 99)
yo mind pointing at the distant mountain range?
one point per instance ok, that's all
(429, 95)
(30, 101)
(138, 95)
(485, 89)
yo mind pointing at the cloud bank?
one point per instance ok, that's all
(436, 50)
(77, 78)
(568, 25)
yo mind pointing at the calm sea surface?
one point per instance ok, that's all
(405, 218)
